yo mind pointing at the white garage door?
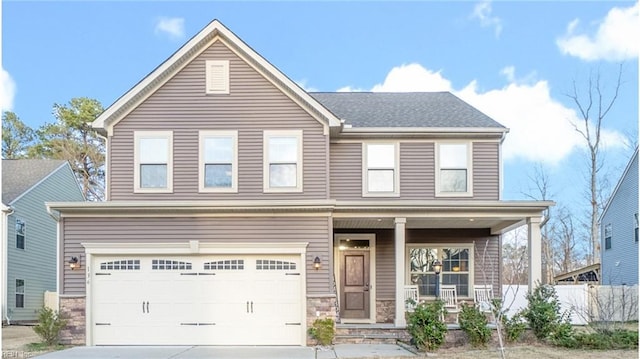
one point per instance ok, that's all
(197, 300)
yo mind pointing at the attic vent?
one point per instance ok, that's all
(217, 76)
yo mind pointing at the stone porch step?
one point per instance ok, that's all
(369, 334)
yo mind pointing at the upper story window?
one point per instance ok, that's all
(217, 73)
(283, 161)
(153, 170)
(453, 169)
(380, 169)
(218, 161)
(635, 233)
(608, 231)
(21, 229)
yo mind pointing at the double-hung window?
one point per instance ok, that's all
(608, 232)
(218, 161)
(635, 232)
(153, 170)
(380, 170)
(283, 161)
(457, 264)
(21, 229)
(19, 293)
(453, 172)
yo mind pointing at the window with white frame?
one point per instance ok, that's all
(608, 232)
(457, 264)
(218, 161)
(453, 176)
(380, 169)
(21, 229)
(153, 170)
(283, 161)
(19, 293)
(635, 233)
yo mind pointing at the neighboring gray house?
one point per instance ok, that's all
(619, 230)
(240, 208)
(29, 238)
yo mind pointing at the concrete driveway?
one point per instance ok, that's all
(386, 351)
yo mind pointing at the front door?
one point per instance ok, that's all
(355, 284)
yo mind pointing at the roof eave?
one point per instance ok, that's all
(433, 132)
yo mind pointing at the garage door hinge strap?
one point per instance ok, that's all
(188, 273)
(103, 323)
(206, 274)
(292, 274)
(188, 323)
(292, 323)
(103, 273)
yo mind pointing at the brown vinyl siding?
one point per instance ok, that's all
(486, 173)
(417, 171)
(314, 230)
(253, 105)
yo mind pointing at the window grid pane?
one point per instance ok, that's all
(218, 175)
(283, 175)
(453, 180)
(153, 176)
(381, 181)
(381, 156)
(154, 150)
(283, 149)
(218, 150)
(453, 156)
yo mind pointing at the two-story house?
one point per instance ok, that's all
(241, 208)
(619, 230)
(29, 234)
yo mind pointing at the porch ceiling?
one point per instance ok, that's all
(498, 216)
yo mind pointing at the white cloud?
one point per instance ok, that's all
(174, 27)
(483, 12)
(412, 78)
(616, 38)
(7, 91)
(540, 127)
(303, 83)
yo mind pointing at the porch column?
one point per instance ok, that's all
(399, 247)
(535, 251)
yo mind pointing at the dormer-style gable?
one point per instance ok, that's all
(213, 32)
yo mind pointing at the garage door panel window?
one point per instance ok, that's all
(167, 264)
(227, 264)
(268, 264)
(125, 264)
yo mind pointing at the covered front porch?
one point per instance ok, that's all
(382, 248)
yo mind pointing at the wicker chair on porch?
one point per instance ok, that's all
(449, 295)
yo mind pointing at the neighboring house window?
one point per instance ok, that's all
(457, 264)
(19, 293)
(217, 73)
(607, 236)
(380, 169)
(21, 228)
(153, 161)
(636, 229)
(453, 172)
(218, 161)
(283, 161)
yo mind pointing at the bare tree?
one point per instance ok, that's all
(565, 242)
(515, 263)
(593, 106)
(540, 190)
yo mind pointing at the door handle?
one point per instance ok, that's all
(147, 307)
(366, 287)
(247, 306)
(251, 306)
(143, 307)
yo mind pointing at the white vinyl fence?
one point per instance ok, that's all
(583, 302)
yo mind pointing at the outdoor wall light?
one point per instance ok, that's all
(74, 263)
(316, 263)
(437, 267)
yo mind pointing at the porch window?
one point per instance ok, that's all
(456, 268)
(153, 170)
(380, 177)
(283, 161)
(453, 175)
(218, 161)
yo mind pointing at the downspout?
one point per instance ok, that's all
(6, 212)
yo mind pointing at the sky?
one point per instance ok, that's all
(515, 61)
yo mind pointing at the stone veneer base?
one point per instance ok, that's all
(73, 309)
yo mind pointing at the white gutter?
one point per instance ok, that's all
(4, 280)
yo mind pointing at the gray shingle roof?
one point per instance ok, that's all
(20, 175)
(404, 109)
